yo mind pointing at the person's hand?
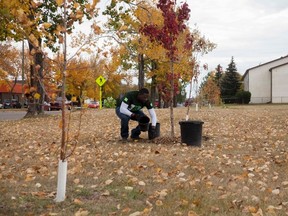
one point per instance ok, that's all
(134, 116)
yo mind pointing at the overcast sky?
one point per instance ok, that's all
(253, 31)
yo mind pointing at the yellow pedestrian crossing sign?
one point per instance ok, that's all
(100, 80)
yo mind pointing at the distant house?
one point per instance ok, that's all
(5, 92)
(268, 82)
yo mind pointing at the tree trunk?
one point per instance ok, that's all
(153, 85)
(174, 101)
(61, 184)
(166, 104)
(160, 105)
(153, 91)
(40, 85)
(141, 71)
(36, 77)
(171, 101)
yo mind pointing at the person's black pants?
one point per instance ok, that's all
(125, 124)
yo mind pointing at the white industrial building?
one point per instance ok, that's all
(268, 82)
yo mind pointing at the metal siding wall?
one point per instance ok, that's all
(279, 85)
(260, 82)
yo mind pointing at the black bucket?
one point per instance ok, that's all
(144, 123)
(157, 131)
(191, 132)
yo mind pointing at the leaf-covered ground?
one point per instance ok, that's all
(241, 168)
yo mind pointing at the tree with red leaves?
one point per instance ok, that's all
(167, 35)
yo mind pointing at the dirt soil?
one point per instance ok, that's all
(240, 169)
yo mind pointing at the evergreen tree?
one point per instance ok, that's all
(218, 74)
(230, 81)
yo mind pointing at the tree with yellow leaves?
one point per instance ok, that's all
(124, 21)
(166, 35)
(48, 22)
(42, 24)
(209, 90)
(110, 70)
(11, 65)
(139, 52)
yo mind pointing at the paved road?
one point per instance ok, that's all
(18, 114)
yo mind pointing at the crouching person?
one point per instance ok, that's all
(129, 107)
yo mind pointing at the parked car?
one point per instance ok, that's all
(15, 104)
(46, 106)
(1, 106)
(57, 104)
(7, 104)
(93, 104)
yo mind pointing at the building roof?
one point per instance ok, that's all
(246, 72)
(278, 66)
(5, 88)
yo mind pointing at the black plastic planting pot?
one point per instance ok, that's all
(154, 134)
(191, 132)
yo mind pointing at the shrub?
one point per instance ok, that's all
(243, 97)
(230, 100)
(110, 102)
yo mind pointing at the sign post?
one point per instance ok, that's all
(100, 81)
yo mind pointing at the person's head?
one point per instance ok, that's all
(143, 95)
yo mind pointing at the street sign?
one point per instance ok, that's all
(100, 80)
